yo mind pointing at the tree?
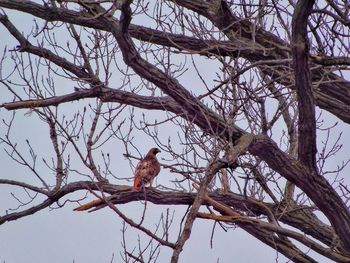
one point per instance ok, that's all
(235, 94)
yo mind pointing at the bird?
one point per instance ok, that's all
(146, 170)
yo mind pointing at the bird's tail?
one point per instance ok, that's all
(137, 184)
(89, 205)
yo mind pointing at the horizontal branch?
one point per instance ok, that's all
(333, 97)
(53, 197)
(327, 96)
(297, 216)
(315, 186)
(105, 94)
(252, 226)
(26, 212)
(244, 220)
(24, 185)
(330, 61)
(247, 221)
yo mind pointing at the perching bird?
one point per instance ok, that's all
(146, 170)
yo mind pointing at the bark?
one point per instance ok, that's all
(263, 146)
(314, 185)
(210, 122)
(307, 122)
(265, 51)
(299, 217)
(333, 97)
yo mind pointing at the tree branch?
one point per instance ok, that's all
(333, 97)
(307, 148)
(296, 216)
(26, 46)
(314, 185)
(262, 232)
(214, 124)
(240, 30)
(212, 169)
(104, 94)
(24, 185)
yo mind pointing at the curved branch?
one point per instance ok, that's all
(53, 196)
(105, 94)
(27, 212)
(307, 123)
(26, 46)
(314, 185)
(335, 209)
(244, 222)
(193, 109)
(327, 96)
(333, 97)
(24, 185)
(296, 216)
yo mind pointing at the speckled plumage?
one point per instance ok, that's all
(147, 169)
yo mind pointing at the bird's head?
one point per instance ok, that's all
(153, 151)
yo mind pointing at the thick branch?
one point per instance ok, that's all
(186, 232)
(256, 228)
(314, 185)
(26, 212)
(307, 123)
(192, 107)
(327, 96)
(213, 124)
(333, 97)
(243, 221)
(297, 216)
(26, 46)
(241, 147)
(104, 94)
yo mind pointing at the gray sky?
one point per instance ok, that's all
(61, 235)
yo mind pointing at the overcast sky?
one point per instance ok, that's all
(62, 235)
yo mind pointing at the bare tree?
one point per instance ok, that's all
(245, 87)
